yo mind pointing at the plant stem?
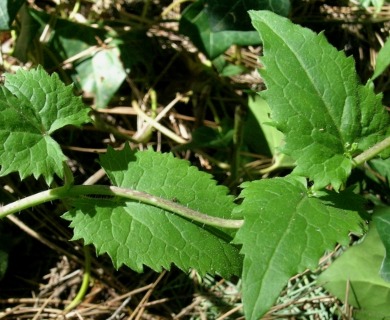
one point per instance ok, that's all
(142, 197)
(162, 203)
(85, 283)
(371, 152)
(31, 201)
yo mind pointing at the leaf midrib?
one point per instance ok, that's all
(277, 246)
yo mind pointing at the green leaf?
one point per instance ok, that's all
(99, 70)
(25, 47)
(260, 109)
(8, 11)
(102, 75)
(206, 137)
(214, 26)
(285, 232)
(382, 169)
(136, 234)
(382, 60)
(231, 70)
(33, 105)
(316, 100)
(358, 270)
(382, 222)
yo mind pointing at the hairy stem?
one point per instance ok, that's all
(371, 152)
(143, 197)
(31, 201)
(162, 203)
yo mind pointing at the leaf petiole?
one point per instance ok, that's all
(371, 152)
(31, 201)
(135, 195)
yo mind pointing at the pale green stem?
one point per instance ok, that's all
(76, 8)
(143, 197)
(371, 152)
(31, 201)
(85, 283)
